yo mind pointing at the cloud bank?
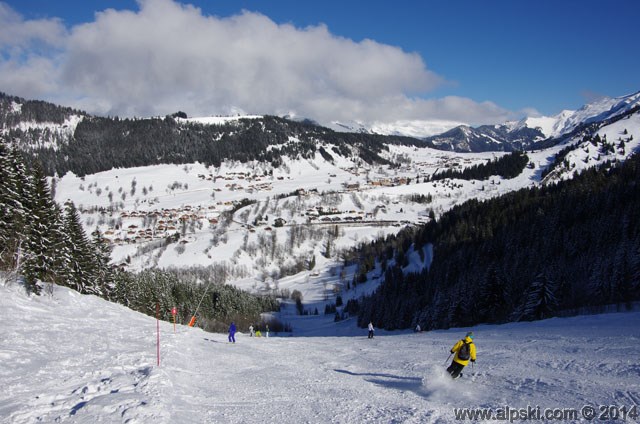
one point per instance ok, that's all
(169, 56)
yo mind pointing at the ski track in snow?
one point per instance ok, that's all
(79, 359)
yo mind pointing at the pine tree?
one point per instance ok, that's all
(104, 270)
(540, 299)
(496, 304)
(81, 274)
(312, 262)
(42, 238)
(13, 211)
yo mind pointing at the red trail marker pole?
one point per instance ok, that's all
(158, 329)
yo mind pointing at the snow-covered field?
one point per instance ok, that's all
(70, 358)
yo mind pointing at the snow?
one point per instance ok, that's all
(414, 128)
(79, 359)
(588, 155)
(67, 128)
(417, 128)
(72, 358)
(567, 120)
(218, 120)
(551, 126)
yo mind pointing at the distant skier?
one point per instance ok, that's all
(232, 333)
(251, 332)
(370, 330)
(465, 351)
(267, 330)
(418, 329)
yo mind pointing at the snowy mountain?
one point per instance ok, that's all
(601, 110)
(38, 124)
(79, 359)
(486, 138)
(526, 133)
(408, 128)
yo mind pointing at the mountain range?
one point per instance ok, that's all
(51, 125)
(530, 132)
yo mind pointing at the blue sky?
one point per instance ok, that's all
(479, 62)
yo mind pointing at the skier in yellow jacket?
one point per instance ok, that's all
(465, 351)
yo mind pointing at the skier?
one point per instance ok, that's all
(465, 351)
(232, 333)
(251, 333)
(267, 330)
(418, 329)
(370, 330)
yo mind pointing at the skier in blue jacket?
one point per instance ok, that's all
(232, 332)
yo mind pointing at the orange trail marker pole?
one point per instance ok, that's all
(174, 311)
(193, 318)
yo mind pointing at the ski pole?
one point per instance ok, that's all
(447, 361)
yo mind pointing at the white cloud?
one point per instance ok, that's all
(16, 33)
(168, 56)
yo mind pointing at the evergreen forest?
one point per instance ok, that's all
(561, 249)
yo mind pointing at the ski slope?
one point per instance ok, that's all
(70, 358)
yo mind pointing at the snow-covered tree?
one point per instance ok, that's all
(43, 237)
(81, 273)
(13, 211)
(104, 270)
(540, 299)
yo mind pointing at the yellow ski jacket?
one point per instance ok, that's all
(472, 351)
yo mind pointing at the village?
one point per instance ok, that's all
(133, 225)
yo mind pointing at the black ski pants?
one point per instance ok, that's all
(455, 369)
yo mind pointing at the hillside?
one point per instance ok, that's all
(530, 254)
(291, 223)
(64, 140)
(95, 361)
